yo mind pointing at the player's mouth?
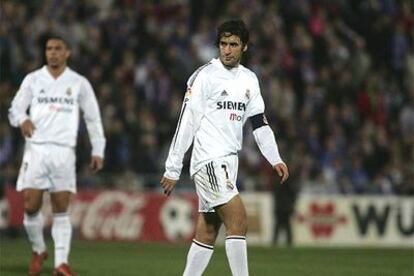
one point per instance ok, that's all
(228, 60)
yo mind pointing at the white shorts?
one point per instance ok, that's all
(48, 167)
(216, 182)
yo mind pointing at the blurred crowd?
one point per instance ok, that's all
(337, 78)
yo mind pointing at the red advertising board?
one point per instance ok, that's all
(118, 215)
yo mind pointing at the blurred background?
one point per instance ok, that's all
(337, 78)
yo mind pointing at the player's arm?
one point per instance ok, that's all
(18, 116)
(263, 134)
(266, 141)
(188, 123)
(192, 112)
(92, 117)
(183, 138)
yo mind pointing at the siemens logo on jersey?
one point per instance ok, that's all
(231, 105)
(59, 100)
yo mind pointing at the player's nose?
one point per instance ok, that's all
(226, 49)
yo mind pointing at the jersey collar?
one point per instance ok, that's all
(233, 72)
(47, 73)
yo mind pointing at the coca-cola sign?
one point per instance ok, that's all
(119, 215)
(114, 216)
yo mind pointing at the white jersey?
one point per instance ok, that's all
(216, 106)
(54, 109)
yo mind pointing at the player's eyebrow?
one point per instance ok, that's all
(55, 46)
(231, 43)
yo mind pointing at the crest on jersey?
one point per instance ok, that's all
(69, 91)
(224, 93)
(247, 93)
(42, 91)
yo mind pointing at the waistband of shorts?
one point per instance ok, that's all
(49, 143)
(199, 165)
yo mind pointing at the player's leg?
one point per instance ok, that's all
(233, 215)
(63, 179)
(208, 225)
(61, 226)
(33, 223)
(32, 183)
(33, 219)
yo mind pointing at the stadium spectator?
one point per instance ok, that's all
(353, 60)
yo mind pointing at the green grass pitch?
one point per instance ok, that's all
(122, 258)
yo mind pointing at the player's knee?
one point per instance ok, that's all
(238, 227)
(31, 209)
(210, 240)
(208, 236)
(59, 208)
(60, 205)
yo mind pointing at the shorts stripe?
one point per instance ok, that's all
(203, 183)
(214, 176)
(210, 178)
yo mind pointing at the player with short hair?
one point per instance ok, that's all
(54, 94)
(221, 96)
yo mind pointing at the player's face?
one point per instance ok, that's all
(231, 50)
(57, 53)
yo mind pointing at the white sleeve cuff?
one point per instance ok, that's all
(22, 119)
(98, 148)
(172, 175)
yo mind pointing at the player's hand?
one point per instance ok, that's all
(96, 163)
(27, 128)
(282, 171)
(168, 185)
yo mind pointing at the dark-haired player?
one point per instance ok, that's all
(221, 96)
(54, 94)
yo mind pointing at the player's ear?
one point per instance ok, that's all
(68, 53)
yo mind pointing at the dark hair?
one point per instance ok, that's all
(233, 27)
(50, 36)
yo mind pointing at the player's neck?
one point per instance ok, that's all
(228, 67)
(231, 67)
(56, 71)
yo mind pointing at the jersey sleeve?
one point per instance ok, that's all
(192, 111)
(256, 104)
(263, 134)
(197, 92)
(21, 102)
(266, 141)
(92, 116)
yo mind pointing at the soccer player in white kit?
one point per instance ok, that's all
(221, 96)
(53, 94)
